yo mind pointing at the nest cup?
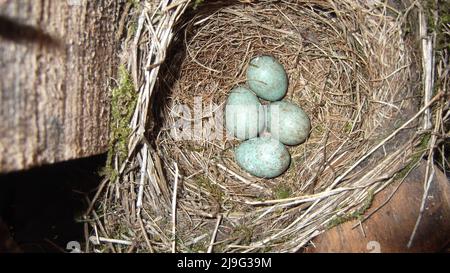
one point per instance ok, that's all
(349, 68)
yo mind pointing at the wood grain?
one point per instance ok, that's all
(56, 63)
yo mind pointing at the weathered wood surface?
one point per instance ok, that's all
(389, 229)
(57, 59)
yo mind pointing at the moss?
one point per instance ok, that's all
(244, 233)
(424, 142)
(437, 25)
(195, 148)
(129, 21)
(355, 215)
(123, 230)
(197, 248)
(212, 188)
(267, 249)
(319, 129)
(134, 3)
(123, 102)
(398, 123)
(415, 157)
(178, 240)
(197, 3)
(132, 28)
(348, 127)
(133, 25)
(282, 191)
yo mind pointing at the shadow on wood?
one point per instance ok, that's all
(42, 208)
(18, 32)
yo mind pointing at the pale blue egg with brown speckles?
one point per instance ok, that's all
(263, 157)
(244, 114)
(287, 122)
(267, 78)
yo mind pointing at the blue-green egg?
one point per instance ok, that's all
(267, 78)
(244, 114)
(287, 122)
(263, 157)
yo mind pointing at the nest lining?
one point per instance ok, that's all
(348, 67)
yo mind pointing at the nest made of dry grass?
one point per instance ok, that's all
(349, 67)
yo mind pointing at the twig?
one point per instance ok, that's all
(98, 240)
(302, 199)
(214, 235)
(422, 206)
(362, 229)
(245, 181)
(144, 233)
(142, 180)
(97, 194)
(428, 66)
(174, 209)
(313, 197)
(86, 237)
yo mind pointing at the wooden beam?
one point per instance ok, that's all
(57, 59)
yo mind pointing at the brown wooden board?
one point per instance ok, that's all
(57, 59)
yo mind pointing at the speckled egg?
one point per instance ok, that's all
(244, 114)
(287, 122)
(267, 78)
(263, 157)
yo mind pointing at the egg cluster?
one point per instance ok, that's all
(265, 129)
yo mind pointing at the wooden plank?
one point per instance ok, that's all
(56, 62)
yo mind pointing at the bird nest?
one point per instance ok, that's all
(179, 188)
